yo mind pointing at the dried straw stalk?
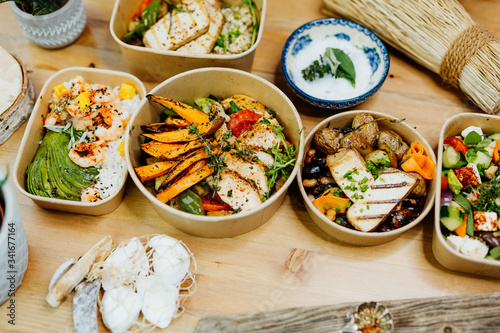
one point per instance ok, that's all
(438, 34)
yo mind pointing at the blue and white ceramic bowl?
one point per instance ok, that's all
(310, 41)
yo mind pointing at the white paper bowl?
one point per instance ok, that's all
(306, 39)
(34, 134)
(355, 237)
(220, 82)
(444, 254)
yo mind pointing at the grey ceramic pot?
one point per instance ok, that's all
(55, 30)
(13, 244)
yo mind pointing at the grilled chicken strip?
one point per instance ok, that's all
(178, 27)
(383, 195)
(237, 192)
(348, 168)
(205, 43)
(254, 172)
(246, 102)
(259, 136)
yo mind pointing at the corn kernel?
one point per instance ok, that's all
(127, 91)
(61, 90)
(121, 148)
(83, 100)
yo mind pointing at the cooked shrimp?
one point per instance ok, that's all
(52, 118)
(87, 154)
(115, 122)
(82, 123)
(78, 85)
(104, 94)
(91, 194)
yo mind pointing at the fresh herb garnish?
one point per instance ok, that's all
(148, 18)
(334, 62)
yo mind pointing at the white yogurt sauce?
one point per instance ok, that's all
(328, 87)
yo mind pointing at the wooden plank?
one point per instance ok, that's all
(451, 314)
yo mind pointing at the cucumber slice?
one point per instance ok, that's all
(482, 158)
(452, 158)
(451, 218)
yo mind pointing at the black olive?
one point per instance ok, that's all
(341, 219)
(489, 239)
(319, 189)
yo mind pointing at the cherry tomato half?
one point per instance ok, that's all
(242, 121)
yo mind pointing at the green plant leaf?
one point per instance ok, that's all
(345, 68)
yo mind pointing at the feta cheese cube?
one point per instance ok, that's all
(468, 175)
(485, 221)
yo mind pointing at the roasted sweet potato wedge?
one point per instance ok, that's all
(151, 171)
(185, 134)
(187, 112)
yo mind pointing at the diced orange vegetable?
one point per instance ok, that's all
(121, 148)
(127, 91)
(416, 160)
(496, 152)
(330, 205)
(462, 230)
(61, 90)
(83, 100)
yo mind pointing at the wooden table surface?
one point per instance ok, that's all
(244, 273)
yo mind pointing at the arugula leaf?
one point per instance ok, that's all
(233, 108)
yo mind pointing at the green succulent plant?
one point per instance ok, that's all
(38, 7)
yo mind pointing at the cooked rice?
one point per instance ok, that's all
(237, 18)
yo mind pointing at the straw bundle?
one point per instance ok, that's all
(438, 34)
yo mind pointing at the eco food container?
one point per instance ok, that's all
(444, 254)
(35, 132)
(351, 236)
(157, 65)
(225, 82)
(13, 243)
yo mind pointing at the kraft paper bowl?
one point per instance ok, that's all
(355, 237)
(157, 65)
(225, 82)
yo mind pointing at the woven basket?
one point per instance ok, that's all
(13, 262)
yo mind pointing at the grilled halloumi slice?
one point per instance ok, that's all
(259, 136)
(178, 27)
(380, 199)
(205, 43)
(247, 102)
(254, 172)
(348, 168)
(237, 192)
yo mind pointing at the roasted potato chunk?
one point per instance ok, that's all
(368, 131)
(327, 140)
(392, 141)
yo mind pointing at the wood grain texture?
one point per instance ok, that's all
(245, 274)
(452, 314)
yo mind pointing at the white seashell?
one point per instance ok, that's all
(171, 260)
(128, 261)
(160, 301)
(120, 308)
(60, 272)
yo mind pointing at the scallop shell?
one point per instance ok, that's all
(375, 316)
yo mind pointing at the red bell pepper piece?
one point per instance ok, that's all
(457, 144)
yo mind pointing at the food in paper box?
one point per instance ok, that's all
(220, 158)
(470, 195)
(194, 26)
(81, 156)
(366, 179)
